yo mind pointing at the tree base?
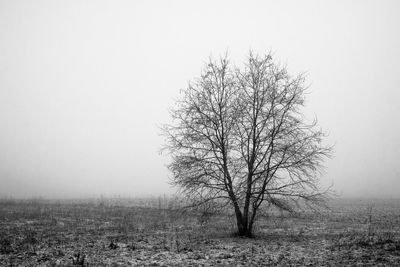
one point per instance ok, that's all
(247, 234)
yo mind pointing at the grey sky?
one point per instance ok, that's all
(84, 84)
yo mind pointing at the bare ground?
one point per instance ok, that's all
(50, 233)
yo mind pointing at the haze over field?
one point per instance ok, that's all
(84, 86)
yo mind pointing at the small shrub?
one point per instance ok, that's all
(132, 247)
(204, 218)
(30, 237)
(113, 245)
(78, 259)
(5, 246)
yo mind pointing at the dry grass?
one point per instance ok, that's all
(105, 233)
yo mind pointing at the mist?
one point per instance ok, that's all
(85, 86)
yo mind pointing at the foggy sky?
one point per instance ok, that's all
(84, 86)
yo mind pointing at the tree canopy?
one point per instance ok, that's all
(239, 136)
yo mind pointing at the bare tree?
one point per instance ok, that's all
(239, 137)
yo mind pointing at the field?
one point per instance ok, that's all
(153, 233)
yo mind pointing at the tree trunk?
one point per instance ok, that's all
(244, 230)
(244, 226)
(245, 223)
